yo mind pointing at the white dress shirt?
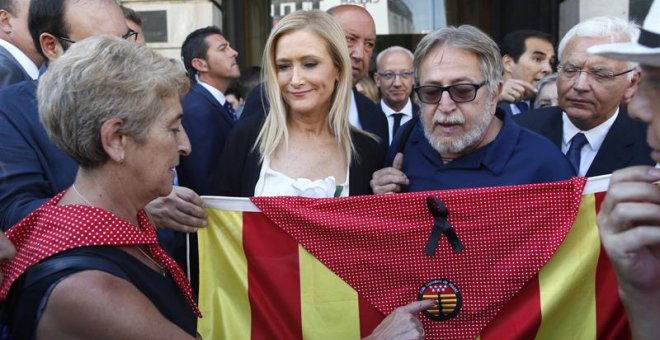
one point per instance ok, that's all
(407, 115)
(353, 117)
(219, 96)
(25, 62)
(595, 138)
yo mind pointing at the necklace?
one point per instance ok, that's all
(160, 267)
(81, 196)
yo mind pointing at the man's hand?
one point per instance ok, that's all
(629, 225)
(515, 90)
(402, 323)
(389, 180)
(182, 210)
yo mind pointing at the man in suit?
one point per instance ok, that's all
(32, 168)
(208, 116)
(527, 56)
(395, 78)
(589, 125)
(19, 60)
(360, 30)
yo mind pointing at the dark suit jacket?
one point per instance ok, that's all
(32, 168)
(625, 144)
(370, 115)
(207, 124)
(11, 71)
(241, 165)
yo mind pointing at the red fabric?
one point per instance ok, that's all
(52, 229)
(376, 244)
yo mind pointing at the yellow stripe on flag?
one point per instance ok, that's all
(221, 248)
(568, 279)
(329, 306)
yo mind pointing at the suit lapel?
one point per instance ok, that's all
(4, 52)
(553, 130)
(616, 150)
(199, 89)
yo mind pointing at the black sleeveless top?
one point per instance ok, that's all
(25, 304)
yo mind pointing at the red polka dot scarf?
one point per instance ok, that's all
(52, 229)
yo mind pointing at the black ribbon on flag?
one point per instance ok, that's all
(441, 226)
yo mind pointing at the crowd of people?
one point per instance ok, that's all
(107, 146)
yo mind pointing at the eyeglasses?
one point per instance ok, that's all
(392, 75)
(459, 93)
(570, 71)
(130, 36)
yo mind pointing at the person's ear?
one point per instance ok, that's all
(200, 65)
(113, 142)
(507, 64)
(5, 22)
(51, 46)
(632, 86)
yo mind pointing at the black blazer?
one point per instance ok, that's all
(625, 144)
(11, 71)
(241, 165)
(371, 117)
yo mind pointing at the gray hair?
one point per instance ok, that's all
(100, 78)
(549, 79)
(469, 38)
(603, 27)
(393, 49)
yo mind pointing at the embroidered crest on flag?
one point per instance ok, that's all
(447, 296)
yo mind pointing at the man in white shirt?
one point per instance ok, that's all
(589, 125)
(395, 78)
(19, 59)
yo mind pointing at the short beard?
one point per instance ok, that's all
(462, 144)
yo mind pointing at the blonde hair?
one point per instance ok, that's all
(274, 130)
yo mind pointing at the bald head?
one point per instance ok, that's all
(360, 30)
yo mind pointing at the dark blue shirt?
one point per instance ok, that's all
(516, 156)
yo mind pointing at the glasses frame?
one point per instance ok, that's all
(579, 70)
(448, 90)
(130, 33)
(402, 75)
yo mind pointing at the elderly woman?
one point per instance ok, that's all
(87, 262)
(305, 145)
(546, 92)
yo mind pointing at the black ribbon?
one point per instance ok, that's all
(441, 226)
(649, 39)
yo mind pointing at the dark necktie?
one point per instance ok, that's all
(573, 153)
(397, 122)
(522, 106)
(230, 109)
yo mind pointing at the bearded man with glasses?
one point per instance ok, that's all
(591, 125)
(461, 139)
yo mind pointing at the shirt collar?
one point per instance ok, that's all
(595, 137)
(22, 59)
(407, 110)
(492, 156)
(219, 96)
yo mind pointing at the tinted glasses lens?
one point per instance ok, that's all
(429, 94)
(462, 92)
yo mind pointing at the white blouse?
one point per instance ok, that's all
(274, 183)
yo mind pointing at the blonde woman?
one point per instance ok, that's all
(305, 146)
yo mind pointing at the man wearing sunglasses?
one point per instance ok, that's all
(32, 168)
(461, 139)
(395, 79)
(589, 125)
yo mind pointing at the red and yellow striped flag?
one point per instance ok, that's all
(530, 268)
